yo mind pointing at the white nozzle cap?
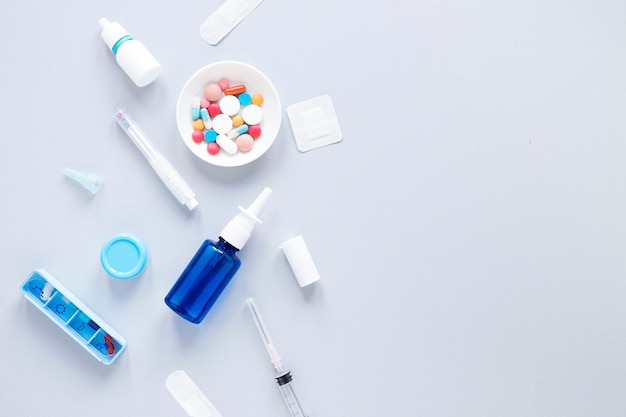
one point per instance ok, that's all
(237, 231)
(111, 31)
(300, 260)
(91, 182)
(192, 203)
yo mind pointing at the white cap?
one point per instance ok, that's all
(300, 260)
(111, 32)
(192, 203)
(237, 231)
(130, 54)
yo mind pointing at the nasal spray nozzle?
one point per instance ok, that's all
(238, 230)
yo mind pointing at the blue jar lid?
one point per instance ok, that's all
(124, 256)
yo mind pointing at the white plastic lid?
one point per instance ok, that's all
(300, 260)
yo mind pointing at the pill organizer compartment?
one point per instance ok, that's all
(75, 318)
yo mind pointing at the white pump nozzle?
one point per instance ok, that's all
(237, 231)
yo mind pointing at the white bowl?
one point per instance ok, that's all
(237, 73)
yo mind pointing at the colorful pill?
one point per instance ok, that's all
(257, 99)
(240, 130)
(254, 131)
(212, 92)
(227, 144)
(229, 105)
(198, 124)
(245, 99)
(213, 148)
(252, 114)
(222, 124)
(204, 115)
(108, 340)
(214, 109)
(204, 103)
(195, 109)
(197, 136)
(234, 90)
(223, 83)
(209, 135)
(245, 142)
(237, 120)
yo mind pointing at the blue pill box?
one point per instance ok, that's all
(75, 318)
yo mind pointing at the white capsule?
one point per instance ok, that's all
(227, 144)
(195, 109)
(239, 130)
(206, 118)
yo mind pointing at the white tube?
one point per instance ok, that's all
(168, 174)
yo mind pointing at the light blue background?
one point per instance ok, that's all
(470, 229)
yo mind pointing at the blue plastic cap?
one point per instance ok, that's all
(124, 256)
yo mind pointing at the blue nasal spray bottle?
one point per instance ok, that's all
(213, 265)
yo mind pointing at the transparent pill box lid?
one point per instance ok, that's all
(88, 329)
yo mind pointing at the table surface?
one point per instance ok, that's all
(469, 229)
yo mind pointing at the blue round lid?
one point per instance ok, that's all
(124, 256)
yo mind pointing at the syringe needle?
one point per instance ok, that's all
(283, 377)
(265, 336)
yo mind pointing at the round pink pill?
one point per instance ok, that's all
(244, 142)
(223, 83)
(212, 92)
(214, 109)
(213, 148)
(254, 131)
(197, 136)
(204, 103)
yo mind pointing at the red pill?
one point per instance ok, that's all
(108, 340)
(213, 148)
(234, 90)
(214, 109)
(254, 131)
(197, 136)
(223, 83)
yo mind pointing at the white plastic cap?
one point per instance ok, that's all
(111, 31)
(300, 260)
(192, 203)
(237, 231)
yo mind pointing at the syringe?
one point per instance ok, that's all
(168, 174)
(283, 376)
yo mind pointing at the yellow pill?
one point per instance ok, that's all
(257, 99)
(198, 124)
(237, 120)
